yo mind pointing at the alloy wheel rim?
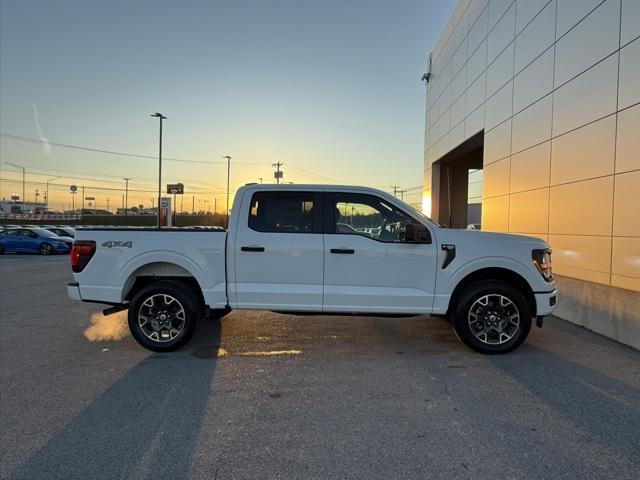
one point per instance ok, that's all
(494, 319)
(161, 318)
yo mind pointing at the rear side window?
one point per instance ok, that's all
(285, 212)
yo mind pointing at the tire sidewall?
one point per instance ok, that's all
(477, 290)
(182, 294)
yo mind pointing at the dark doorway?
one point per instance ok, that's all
(453, 204)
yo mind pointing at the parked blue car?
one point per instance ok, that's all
(33, 240)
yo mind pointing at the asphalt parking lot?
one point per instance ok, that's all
(262, 395)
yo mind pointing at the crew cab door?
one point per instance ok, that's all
(368, 265)
(279, 250)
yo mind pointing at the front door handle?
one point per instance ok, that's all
(252, 249)
(349, 251)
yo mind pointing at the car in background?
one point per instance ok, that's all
(33, 240)
(62, 231)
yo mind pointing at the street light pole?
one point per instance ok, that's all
(23, 182)
(228, 175)
(161, 117)
(126, 195)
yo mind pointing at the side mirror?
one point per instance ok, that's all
(416, 233)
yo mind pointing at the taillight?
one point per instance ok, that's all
(81, 253)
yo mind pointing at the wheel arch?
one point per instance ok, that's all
(493, 273)
(160, 270)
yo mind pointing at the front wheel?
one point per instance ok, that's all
(492, 317)
(163, 315)
(45, 249)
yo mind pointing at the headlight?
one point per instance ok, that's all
(542, 261)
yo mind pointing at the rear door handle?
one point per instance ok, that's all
(349, 251)
(252, 249)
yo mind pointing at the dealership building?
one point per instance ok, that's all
(533, 118)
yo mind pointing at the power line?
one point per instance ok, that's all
(111, 152)
(93, 187)
(140, 180)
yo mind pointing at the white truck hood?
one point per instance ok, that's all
(479, 238)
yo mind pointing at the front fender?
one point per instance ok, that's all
(455, 276)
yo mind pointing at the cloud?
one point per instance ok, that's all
(46, 147)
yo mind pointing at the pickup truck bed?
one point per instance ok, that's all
(130, 255)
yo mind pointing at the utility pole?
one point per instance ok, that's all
(47, 190)
(395, 190)
(108, 205)
(215, 205)
(83, 199)
(401, 192)
(160, 117)
(228, 175)
(193, 205)
(37, 195)
(126, 195)
(277, 173)
(260, 178)
(23, 182)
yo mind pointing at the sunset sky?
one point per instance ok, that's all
(329, 88)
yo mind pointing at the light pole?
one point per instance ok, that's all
(47, 191)
(228, 175)
(23, 182)
(161, 117)
(126, 194)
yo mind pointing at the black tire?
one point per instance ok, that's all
(186, 299)
(472, 297)
(1, 249)
(46, 249)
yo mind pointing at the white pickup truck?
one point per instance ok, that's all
(317, 248)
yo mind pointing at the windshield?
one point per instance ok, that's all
(420, 214)
(43, 233)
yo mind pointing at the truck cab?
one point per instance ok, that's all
(319, 248)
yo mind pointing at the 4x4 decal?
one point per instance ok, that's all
(117, 243)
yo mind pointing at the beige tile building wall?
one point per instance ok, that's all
(555, 85)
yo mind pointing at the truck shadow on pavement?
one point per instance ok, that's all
(145, 425)
(606, 408)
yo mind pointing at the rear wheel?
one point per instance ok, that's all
(45, 249)
(163, 315)
(1, 249)
(492, 317)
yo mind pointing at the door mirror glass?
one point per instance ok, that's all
(416, 233)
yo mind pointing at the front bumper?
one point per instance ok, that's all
(546, 302)
(73, 291)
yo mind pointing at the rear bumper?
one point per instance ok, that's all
(73, 291)
(546, 302)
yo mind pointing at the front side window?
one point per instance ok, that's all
(369, 216)
(284, 212)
